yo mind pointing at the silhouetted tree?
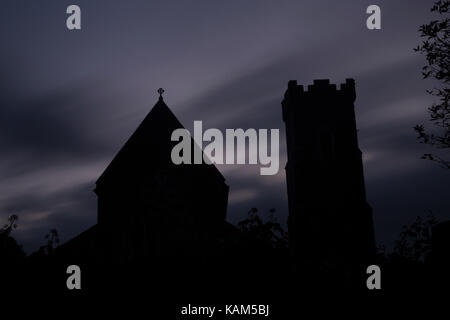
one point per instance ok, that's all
(415, 240)
(436, 48)
(269, 231)
(406, 268)
(52, 238)
(11, 225)
(10, 250)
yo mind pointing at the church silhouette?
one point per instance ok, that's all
(163, 227)
(150, 207)
(155, 214)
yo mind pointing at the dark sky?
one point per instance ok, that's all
(70, 99)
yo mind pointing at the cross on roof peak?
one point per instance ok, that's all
(160, 91)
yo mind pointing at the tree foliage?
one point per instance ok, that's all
(415, 240)
(269, 231)
(52, 238)
(11, 225)
(436, 48)
(10, 250)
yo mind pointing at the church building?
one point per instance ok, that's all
(150, 207)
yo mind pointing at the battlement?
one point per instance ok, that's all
(321, 86)
(320, 89)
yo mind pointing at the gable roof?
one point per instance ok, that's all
(149, 145)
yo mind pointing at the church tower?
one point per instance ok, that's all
(330, 222)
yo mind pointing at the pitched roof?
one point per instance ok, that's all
(149, 145)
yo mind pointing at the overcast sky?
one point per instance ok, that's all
(70, 99)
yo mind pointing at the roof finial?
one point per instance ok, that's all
(160, 91)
